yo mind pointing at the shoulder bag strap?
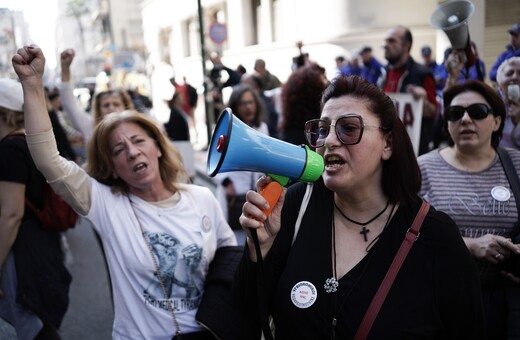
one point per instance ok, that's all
(412, 234)
(303, 207)
(511, 175)
(265, 320)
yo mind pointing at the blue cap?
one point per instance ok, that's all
(515, 29)
(426, 50)
(365, 49)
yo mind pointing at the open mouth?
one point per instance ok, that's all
(139, 167)
(333, 161)
(466, 133)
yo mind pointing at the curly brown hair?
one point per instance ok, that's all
(301, 96)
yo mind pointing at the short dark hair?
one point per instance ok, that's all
(495, 102)
(365, 49)
(401, 179)
(407, 36)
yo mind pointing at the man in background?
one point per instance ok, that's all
(371, 68)
(404, 75)
(512, 50)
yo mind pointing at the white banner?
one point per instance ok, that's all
(410, 113)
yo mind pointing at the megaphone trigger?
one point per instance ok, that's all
(271, 192)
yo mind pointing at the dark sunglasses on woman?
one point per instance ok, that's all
(475, 111)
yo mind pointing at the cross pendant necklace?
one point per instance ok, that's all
(364, 231)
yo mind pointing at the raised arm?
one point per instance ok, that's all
(65, 177)
(29, 65)
(81, 120)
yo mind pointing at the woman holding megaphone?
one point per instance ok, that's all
(362, 264)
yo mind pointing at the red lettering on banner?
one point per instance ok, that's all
(408, 115)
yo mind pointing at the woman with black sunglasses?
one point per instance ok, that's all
(467, 180)
(358, 214)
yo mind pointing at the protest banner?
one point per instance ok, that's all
(410, 113)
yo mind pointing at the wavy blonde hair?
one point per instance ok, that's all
(101, 167)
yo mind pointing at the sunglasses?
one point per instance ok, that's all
(475, 111)
(349, 130)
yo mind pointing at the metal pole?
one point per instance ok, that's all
(208, 96)
(110, 28)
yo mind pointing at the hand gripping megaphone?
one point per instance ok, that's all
(452, 17)
(235, 146)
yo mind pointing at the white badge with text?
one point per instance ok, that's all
(304, 294)
(500, 193)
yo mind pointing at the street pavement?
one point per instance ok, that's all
(90, 314)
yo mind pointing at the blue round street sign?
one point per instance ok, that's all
(218, 32)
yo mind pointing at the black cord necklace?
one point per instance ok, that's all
(331, 284)
(364, 231)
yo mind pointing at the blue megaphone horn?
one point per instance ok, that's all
(235, 146)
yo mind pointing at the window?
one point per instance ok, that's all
(192, 43)
(256, 11)
(276, 22)
(164, 44)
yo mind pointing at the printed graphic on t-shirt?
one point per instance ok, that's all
(177, 266)
(473, 203)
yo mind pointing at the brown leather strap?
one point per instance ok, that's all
(375, 305)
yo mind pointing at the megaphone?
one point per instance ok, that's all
(235, 146)
(452, 17)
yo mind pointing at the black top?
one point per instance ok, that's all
(62, 141)
(177, 127)
(18, 167)
(436, 294)
(42, 279)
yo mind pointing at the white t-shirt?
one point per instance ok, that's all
(184, 235)
(184, 238)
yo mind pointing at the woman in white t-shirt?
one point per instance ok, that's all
(159, 235)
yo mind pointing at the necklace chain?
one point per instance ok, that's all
(331, 284)
(158, 273)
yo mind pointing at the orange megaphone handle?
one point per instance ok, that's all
(271, 193)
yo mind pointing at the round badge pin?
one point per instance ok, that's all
(206, 224)
(500, 193)
(304, 294)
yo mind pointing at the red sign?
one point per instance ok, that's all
(218, 32)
